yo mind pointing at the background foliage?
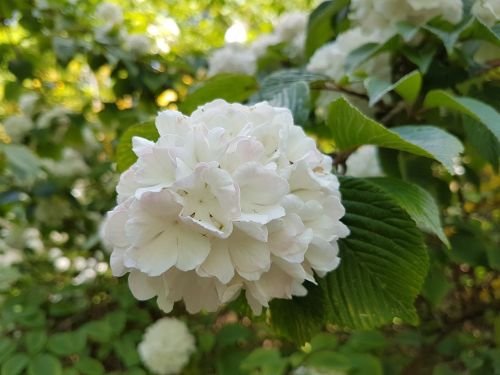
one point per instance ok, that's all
(403, 301)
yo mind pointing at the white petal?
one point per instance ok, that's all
(156, 256)
(141, 286)
(192, 249)
(141, 146)
(322, 255)
(171, 122)
(218, 263)
(250, 257)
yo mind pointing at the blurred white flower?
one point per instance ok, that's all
(233, 197)
(28, 103)
(232, 58)
(62, 264)
(17, 127)
(488, 11)
(9, 255)
(53, 211)
(331, 58)
(110, 14)
(292, 28)
(364, 162)
(383, 15)
(166, 346)
(54, 116)
(237, 33)
(137, 44)
(164, 31)
(33, 240)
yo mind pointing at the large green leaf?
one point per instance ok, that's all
(22, 163)
(417, 202)
(350, 128)
(322, 22)
(15, 364)
(482, 140)
(44, 364)
(125, 157)
(231, 87)
(384, 261)
(408, 87)
(474, 108)
(276, 82)
(300, 318)
(297, 99)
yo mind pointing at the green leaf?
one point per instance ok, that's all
(15, 365)
(116, 321)
(7, 347)
(268, 361)
(365, 364)
(328, 361)
(417, 202)
(66, 343)
(300, 318)
(407, 30)
(482, 140)
(231, 87)
(35, 341)
(350, 128)
(321, 25)
(98, 331)
(367, 51)
(422, 57)
(44, 364)
(278, 81)
(22, 162)
(384, 261)
(437, 286)
(296, 98)
(64, 49)
(89, 366)
(364, 341)
(474, 108)
(408, 87)
(231, 334)
(324, 341)
(126, 350)
(125, 157)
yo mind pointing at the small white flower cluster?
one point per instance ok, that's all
(232, 58)
(384, 15)
(232, 198)
(167, 346)
(109, 14)
(330, 59)
(238, 58)
(488, 11)
(17, 127)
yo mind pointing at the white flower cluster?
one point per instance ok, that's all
(238, 58)
(232, 58)
(71, 164)
(166, 346)
(109, 14)
(330, 59)
(487, 11)
(234, 197)
(137, 44)
(383, 15)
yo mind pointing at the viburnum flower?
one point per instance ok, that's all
(232, 198)
(166, 346)
(330, 59)
(384, 15)
(488, 11)
(232, 58)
